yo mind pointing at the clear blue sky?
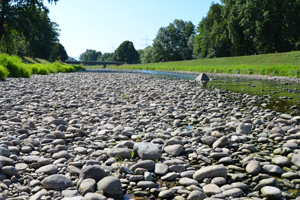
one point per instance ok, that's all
(104, 24)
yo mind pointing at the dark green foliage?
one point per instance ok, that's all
(126, 52)
(212, 39)
(171, 42)
(58, 53)
(90, 55)
(243, 27)
(25, 28)
(105, 57)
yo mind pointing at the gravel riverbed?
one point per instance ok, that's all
(86, 135)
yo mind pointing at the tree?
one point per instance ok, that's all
(71, 59)
(40, 33)
(90, 55)
(140, 51)
(262, 26)
(212, 39)
(126, 52)
(33, 34)
(171, 42)
(58, 53)
(147, 55)
(105, 57)
(10, 11)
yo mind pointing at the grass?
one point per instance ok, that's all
(279, 64)
(29, 60)
(14, 66)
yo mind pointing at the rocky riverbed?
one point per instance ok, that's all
(102, 136)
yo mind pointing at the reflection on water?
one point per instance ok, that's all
(203, 83)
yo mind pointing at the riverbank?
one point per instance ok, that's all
(14, 66)
(279, 64)
(100, 135)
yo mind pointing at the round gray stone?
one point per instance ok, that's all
(210, 172)
(253, 167)
(296, 159)
(271, 192)
(4, 152)
(48, 169)
(211, 189)
(111, 185)
(87, 183)
(196, 195)
(161, 169)
(92, 171)
(119, 152)
(166, 194)
(235, 192)
(94, 196)
(10, 171)
(174, 150)
(147, 151)
(273, 169)
(57, 181)
(188, 181)
(281, 161)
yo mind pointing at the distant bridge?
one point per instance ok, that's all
(104, 63)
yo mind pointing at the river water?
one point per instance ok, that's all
(278, 96)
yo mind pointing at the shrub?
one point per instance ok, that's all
(3, 72)
(14, 65)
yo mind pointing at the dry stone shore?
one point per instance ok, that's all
(93, 136)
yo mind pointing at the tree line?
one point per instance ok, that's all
(248, 27)
(232, 28)
(26, 30)
(125, 52)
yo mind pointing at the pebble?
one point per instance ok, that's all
(101, 135)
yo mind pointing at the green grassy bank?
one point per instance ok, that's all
(12, 66)
(279, 64)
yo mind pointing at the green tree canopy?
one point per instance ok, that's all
(171, 42)
(58, 53)
(212, 35)
(146, 56)
(244, 27)
(90, 55)
(26, 29)
(126, 52)
(105, 57)
(13, 11)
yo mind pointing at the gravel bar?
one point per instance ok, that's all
(90, 136)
